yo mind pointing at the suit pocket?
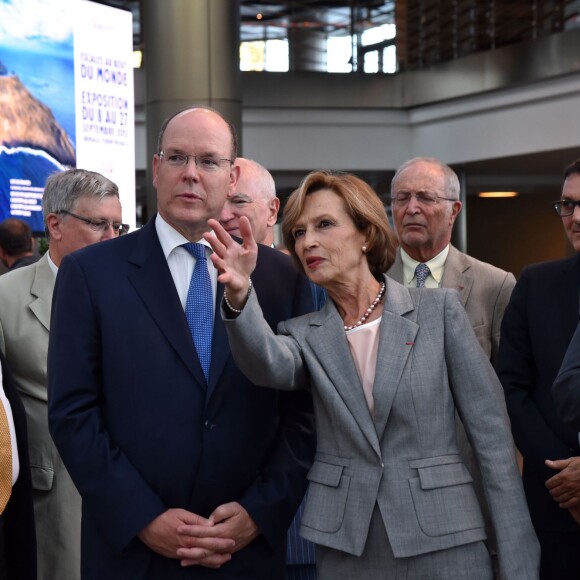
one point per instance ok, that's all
(327, 493)
(42, 477)
(443, 496)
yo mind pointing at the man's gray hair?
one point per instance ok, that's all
(64, 189)
(452, 187)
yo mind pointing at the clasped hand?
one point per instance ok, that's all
(234, 262)
(195, 540)
(564, 487)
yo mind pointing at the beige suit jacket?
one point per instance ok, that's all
(25, 304)
(484, 291)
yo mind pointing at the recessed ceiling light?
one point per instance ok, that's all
(497, 194)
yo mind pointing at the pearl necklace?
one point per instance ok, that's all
(368, 311)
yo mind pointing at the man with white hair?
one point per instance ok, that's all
(254, 197)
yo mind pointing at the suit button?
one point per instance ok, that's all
(208, 425)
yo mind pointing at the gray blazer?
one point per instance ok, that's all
(405, 458)
(484, 291)
(25, 304)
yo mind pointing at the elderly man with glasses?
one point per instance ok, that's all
(425, 204)
(80, 208)
(538, 326)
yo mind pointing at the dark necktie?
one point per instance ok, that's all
(199, 307)
(421, 272)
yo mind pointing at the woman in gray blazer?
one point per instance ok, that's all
(389, 495)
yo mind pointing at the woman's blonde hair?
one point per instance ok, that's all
(364, 207)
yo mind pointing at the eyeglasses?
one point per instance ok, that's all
(422, 197)
(100, 225)
(565, 207)
(204, 163)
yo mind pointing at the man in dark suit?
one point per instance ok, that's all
(17, 535)
(186, 469)
(536, 330)
(566, 388)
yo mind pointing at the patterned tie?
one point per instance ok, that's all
(199, 307)
(421, 272)
(5, 460)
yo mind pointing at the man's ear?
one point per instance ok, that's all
(273, 208)
(456, 208)
(234, 176)
(53, 225)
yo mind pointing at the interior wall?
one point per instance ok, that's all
(514, 232)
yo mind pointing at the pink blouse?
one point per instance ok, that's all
(364, 346)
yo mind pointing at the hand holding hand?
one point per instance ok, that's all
(565, 486)
(231, 522)
(161, 534)
(235, 262)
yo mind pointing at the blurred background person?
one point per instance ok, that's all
(17, 248)
(79, 208)
(387, 367)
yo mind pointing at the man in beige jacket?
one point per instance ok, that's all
(80, 208)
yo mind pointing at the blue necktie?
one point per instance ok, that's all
(199, 307)
(421, 272)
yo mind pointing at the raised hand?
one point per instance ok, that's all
(235, 262)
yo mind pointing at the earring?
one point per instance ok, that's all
(364, 249)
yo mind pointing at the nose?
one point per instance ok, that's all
(310, 238)
(413, 206)
(576, 214)
(226, 214)
(109, 233)
(190, 170)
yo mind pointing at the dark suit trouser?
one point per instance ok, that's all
(560, 555)
(3, 570)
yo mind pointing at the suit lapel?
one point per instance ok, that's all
(220, 348)
(456, 274)
(42, 288)
(569, 297)
(396, 270)
(396, 342)
(153, 282)
(328, 341)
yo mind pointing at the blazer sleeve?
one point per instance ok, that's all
(517, 373)
(479, 401)
(114, 491)
(267, 359)
(566, 388)
(276, 494)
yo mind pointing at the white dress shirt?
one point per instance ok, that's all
(436, 266)
(181, 263)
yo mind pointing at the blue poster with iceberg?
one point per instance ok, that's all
(37, 103)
